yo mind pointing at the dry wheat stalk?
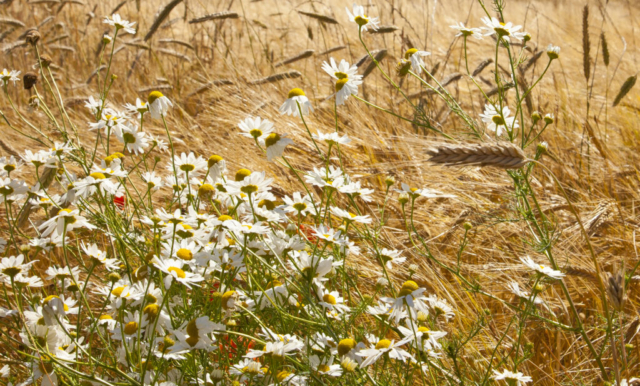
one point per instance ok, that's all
(162, 15)
(12, 46)
(11, 22)
(384, 29)
(378, 55)
(480, 67)
(95, 72)
(173, 53)
(215, 16)
(277, 77)
(300, 56)
(615, 289)
(62, 48)
(632, 330)
(581, 272)
(156, 87)
(208, 86)
(502, 155)
(332, 49)
(137, 45)
(321, 18)
(176, 41)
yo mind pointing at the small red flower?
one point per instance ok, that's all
(119, 201)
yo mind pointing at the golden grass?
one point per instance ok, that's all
(230, 73)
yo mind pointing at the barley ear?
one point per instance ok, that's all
(586, 44)
(605, 49)
(164, 13)
(624, 90)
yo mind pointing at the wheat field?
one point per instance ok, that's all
(221, 61)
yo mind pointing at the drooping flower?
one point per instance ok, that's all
(296, 101)
(361, 19)
(116, 21)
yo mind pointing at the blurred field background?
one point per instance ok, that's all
(239, 63)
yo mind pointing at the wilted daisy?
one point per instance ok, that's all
(503, 30)
(467, 31)
(158, 104)
(116, 21)
(512, 378)
(296, 101)
(275, 144)
(415, 57)
(514, 288)
(342, 70)
(541, 268)
(361, 19)
(499, 122)
(6, 76)
(256, 128)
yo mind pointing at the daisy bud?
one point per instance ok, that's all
(403, 67)
(381, 283)
(291, 230)
(526, 37)
(422, 317)
(629, 346)
(106, 39)
(548, 119)
(542, 147)
(413, 268)
(389, 181)
(25, 248)
(113, 277)
(403, 198)
(467, 226)
(536, 116)
(539, 288)
(217, 374)
(242, 174)
(114, 77)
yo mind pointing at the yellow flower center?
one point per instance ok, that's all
(226, 297)
(178, 271)
(497, 119)
(340, 75)
(323, 368)
(153, 95)
(213, 160)
(340, 83)
(249, 189)
(242, 174)
(187, 167)
(295, 92)
(184, 254)
(271, 139)
(328, 298)
(408, 287)
(98, 175)
(224, 217)
(410, 52)
(152, 311)
(131, 328)
(282, 375)
(255, 133)
(299, 206)
(361, 20)
(128, 138)
(117, 292)
(382, 344)
(346, 345)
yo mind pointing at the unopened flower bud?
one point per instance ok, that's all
(114, 277)
(389, 181)
(536, 116)
(467, 226)
(403, 198)
(106, 39)
(548, 119)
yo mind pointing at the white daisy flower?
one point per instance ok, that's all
(65, 217)
(325, 367)
(514, 288)
(296, 101)
(499, 122)
(188, 163)
(174, 271)
(504, 30)
(116, 21)
(153, 181)
(332, 138)
(135, 141)
(363, 21)
(9, 76)
(256, 128)
(512, 378)
(350, 217)
(423, 338)
(14, 265)
(331, 178)
(467, 31)
(390, 257)
(332, 301)
(541, 268)
(385, 347)
(139, 108)
(415, 57)
(553, 51)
